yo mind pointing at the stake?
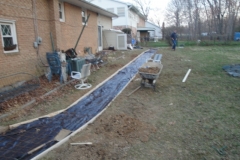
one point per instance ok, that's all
(84, 143)
(134, 91)
(52, 42)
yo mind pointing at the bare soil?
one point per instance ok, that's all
(177, 121)
(153, 70)
(49, 95)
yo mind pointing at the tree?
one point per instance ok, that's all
(144, 6)
(163, 30)
(174, 12)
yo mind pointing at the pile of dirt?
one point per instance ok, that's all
(124, 126)
(153, 70)
(112, 138)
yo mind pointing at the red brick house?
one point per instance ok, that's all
(30, 28)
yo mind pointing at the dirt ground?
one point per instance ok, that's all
(163, 124)
(49, 95)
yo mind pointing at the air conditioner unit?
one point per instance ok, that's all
(76, 64)
(121, 42)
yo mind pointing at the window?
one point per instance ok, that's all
(84, 16)
(61, 12)
(110, 10)
(121, 11)
(9, 36)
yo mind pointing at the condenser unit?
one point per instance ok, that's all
(114, 38)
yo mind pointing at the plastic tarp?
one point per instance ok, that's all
(16, 143)
(233, 70)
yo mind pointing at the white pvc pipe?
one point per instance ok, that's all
(185, 78)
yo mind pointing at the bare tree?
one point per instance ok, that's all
(233, 7)
(144, 6)
(220, 18)
(189, 10)
(174, 12)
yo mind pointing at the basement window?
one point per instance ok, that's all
(61, 12)
(8, 36)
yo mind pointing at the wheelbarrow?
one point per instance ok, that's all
(149, 73)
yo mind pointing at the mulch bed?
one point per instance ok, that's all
(45, 87)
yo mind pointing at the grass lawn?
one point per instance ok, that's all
(201, 118)
(195, 120)
(192, 43)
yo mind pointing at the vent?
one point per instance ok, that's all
(122, 42)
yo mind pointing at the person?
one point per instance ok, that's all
(174, 39)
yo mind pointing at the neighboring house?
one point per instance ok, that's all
(156, 33)
(30, 28)
(128, 15)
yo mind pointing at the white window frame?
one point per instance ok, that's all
(84, 16)
(121, 14)
(12, 25)
(61, 9)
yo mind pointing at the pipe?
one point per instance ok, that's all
(185, 78)
(52, 42)
(35, 19)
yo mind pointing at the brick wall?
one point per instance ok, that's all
(141, 22)
(72, 27)
(65, 34)
(26, 60)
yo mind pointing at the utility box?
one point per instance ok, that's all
(114, 38)
(237, 36)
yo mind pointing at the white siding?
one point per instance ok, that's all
(157, 32)
(133, 19)
(106, 4)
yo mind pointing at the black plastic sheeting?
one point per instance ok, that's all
(16, 143)
(233, 70)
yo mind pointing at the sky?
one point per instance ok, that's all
(160, 5)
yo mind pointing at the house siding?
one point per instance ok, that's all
(105, 22)
(157, 33)
(122, 22)
(64, 34)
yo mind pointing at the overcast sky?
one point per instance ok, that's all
(160, 4)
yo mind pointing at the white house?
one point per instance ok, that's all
(156, 32)
(128, 15)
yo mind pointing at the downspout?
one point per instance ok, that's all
(35, 23)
